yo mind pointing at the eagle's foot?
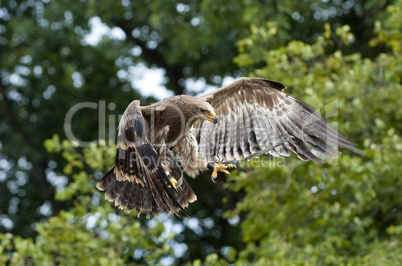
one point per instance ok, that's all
(173, 182)
(223, 167)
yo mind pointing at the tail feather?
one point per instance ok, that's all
(132, 195)
(106, 181)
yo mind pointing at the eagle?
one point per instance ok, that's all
(191, 134)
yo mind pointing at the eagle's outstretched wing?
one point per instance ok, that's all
(138, 179)
(255, 114)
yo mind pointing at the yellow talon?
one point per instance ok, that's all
(231, 165)
(221, 168)
(173, 181)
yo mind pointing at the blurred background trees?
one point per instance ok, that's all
(342, 57)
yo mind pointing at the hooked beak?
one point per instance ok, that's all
(212, 118)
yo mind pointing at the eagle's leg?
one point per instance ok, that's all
(172, 180)
(222, 167)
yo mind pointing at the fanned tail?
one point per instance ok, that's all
(153, 197)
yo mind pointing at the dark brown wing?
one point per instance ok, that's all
(255, 114)
(138, 180)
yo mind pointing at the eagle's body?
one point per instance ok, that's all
(157, 142)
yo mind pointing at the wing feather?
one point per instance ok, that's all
(211, 147)
(221, 146)
(251, 137)
(240, 134)
(215, 144)
(138, 180)
(267, 134)
(226, 140)
(244, 145)
(255, 114)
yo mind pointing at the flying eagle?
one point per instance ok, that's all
(156, 143)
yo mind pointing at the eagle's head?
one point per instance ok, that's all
(205, 111)
(190, 109)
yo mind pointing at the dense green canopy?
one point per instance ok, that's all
(340, 56)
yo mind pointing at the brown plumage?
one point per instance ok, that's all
(156, 142)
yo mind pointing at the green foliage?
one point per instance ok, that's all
(45, 69)
(90, 233)
(66, 240)
(345, 212)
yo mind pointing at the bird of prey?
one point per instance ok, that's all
(156, 143)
